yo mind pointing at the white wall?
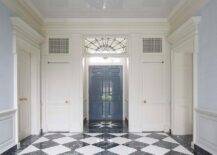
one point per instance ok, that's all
(7, 112)
(207, 79)
(6, 60)
(138, 29)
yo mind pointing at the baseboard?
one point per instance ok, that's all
(200, 151)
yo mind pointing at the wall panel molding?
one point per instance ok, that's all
(206, 129)
(7, 126)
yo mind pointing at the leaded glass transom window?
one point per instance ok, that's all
(105, 45)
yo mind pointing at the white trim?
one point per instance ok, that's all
(185, 40)
(7, 112)
(188, 29)
(23, 30)
(117, 20)
(27, 39)
(23, 10)
(176, 9)
(184, 11)
(107, 26)
(31, 7)
(206, 129)
(206, 112)
(8, 137)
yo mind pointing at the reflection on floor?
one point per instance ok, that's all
(104, 141)
(105, 126)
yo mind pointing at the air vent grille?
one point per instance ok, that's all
(58, 45)
(152, 45)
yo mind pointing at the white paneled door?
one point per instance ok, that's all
(57, 99)
(24, 94)
(152, 96)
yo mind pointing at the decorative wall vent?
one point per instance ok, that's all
(58, 45)
(105, 45)
(152, 45)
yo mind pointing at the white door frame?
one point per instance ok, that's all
(186, 39)
(124, 57)
(27, 39)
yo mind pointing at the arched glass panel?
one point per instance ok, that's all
(105, 45)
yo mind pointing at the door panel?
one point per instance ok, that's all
(24, 88)
(57, 90)
(105, 92)
(152, 96)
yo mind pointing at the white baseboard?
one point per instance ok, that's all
(7, 129)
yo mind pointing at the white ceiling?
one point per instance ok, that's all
(104, 8)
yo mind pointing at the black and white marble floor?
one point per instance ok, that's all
(103, 142)
(105, 126)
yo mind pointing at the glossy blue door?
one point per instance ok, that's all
(105, 92)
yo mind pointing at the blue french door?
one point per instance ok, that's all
(105, 92)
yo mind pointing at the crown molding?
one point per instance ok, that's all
(24, 10)
(183, 11)
(113, 24)
(185, 31)
(23, 30)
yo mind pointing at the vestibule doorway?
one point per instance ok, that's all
(105, 93)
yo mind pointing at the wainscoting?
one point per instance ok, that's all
(7, 128)
(206, 130)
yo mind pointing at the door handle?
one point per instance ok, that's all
(66, 102)
(145, 101)
(23, 99)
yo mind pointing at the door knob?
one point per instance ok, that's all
(23, 99)
(66, 101)
(144, 101)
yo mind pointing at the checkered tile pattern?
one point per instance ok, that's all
(105, 144)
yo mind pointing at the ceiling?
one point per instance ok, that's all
(103, 8)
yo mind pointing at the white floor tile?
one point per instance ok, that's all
(50, 133)
(147, 140)
(141, 134)
(118, 134)
(93, 134)
(181, 149)
(64, 140)
(56, 150)
(162, 133)
(89, 150)
(122, 150)
(119, 140)
(155, 150)
(169, 139)
(40, 140)
(91, 140)
(70, 133)
(29, 149)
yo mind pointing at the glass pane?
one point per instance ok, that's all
(105, 45)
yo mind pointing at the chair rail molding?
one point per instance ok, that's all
(8, 130)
